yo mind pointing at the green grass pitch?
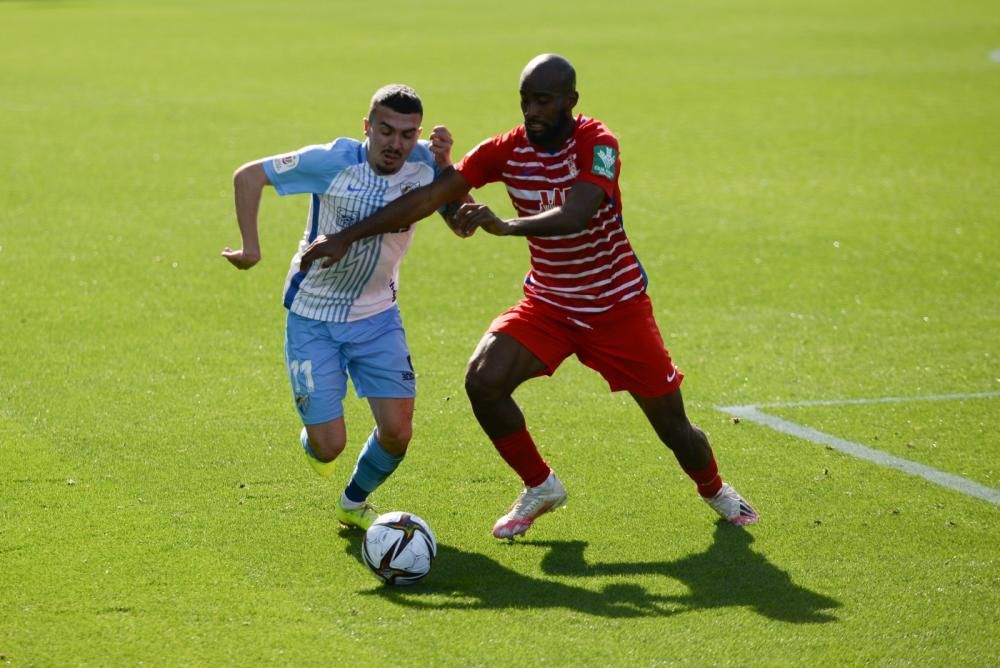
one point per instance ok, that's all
(812, 188)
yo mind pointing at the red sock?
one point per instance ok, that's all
(521, 454)
(708, 480)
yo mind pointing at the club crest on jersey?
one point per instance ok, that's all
(284, 163)
(571, 166)
(604, 161)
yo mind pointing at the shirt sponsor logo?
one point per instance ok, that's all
(548, 199)
(284, 163)
(604, 161)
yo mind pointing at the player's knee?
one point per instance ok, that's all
(326, 447)
(395, 438)
(481, 384)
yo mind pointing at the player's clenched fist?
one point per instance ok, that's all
(441, 141)
(241, 258)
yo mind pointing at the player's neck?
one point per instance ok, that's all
(561, 136)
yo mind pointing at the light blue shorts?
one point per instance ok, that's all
(320, 356)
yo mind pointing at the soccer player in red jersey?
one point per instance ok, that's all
(585, 293)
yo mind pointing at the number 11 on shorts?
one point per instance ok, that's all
(301, 372)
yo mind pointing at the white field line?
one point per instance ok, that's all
(880, 400)
(753, 413)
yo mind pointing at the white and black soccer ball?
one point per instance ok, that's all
(399, 548)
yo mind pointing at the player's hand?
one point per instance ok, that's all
(470, 216)
(441, 141)
(458, 231)
(242, 258)
(330, 248)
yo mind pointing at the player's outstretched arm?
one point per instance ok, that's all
(408, 209)
(582, 202)
(248, 183)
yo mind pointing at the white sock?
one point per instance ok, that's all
(348, 504)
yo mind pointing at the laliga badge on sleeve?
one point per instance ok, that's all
(284, 163)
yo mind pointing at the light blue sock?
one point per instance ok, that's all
(373, 467)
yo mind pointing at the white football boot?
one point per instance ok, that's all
(733, 507)
(532, 503)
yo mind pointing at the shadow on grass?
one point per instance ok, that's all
(727, 574)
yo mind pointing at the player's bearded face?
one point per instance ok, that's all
(547, 116)
(391, 138)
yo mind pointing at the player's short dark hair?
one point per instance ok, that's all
(399, 98)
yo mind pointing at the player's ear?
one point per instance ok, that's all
(368, 126)
(420, 131)
(573, 98)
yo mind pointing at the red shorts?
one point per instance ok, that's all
(623, 345)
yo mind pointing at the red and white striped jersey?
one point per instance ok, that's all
(585, 272)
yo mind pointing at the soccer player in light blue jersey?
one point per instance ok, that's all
(343, 321)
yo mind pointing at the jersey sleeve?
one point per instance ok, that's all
(484, 163)
(310, 169)
(598, 160)
(422, 153)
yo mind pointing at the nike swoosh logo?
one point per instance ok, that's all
(352, 189)
(673, 374)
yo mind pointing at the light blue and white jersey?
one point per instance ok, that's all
(345, 190)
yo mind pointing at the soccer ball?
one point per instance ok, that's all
(399, 548)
